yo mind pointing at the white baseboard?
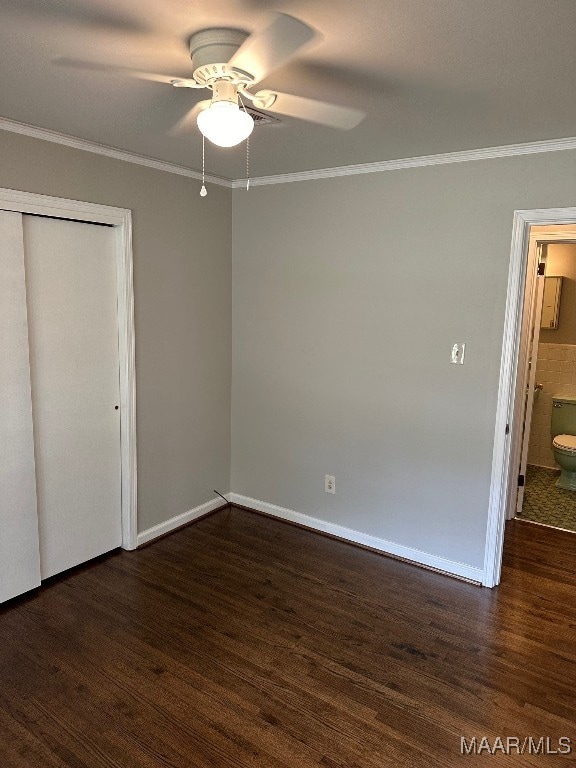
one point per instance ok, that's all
(417, 556)
(451, 567)
(176, 522)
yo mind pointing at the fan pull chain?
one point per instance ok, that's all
(248, 163)
(240, 99)
(203, 190)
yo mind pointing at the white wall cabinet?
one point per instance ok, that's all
(551, 302)
(60, 481)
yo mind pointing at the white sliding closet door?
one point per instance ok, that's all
(19, 558)
(73, 337)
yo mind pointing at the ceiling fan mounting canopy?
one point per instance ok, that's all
(211, 50)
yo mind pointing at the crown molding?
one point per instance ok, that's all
(489, 153)
(102, 149)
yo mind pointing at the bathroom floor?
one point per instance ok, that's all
(544, 503)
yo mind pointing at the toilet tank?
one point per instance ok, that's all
(563, 416)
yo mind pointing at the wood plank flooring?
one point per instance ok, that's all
(243, 641)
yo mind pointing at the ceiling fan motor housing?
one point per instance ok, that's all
(211, 50)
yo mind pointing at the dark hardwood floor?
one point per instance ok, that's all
(243, 641)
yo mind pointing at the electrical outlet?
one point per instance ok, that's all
(329, 483)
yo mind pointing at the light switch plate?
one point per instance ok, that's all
(458, 350)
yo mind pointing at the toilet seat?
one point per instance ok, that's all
(565, 443)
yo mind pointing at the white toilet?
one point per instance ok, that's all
(563, 428)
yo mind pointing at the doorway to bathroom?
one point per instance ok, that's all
(546, 488)
(533, 231)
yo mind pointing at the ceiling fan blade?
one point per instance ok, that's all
(188, 122)
(92, 66)
(321, 112)
(270, 47)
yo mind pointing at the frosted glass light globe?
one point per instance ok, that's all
(225, 124)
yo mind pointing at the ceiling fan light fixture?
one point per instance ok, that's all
(225, 124)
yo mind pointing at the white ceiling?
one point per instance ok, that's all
(432, 75)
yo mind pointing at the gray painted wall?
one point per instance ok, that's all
(348, 294)
(182, 252)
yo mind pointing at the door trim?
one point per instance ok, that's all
(524, 395)
(501, 475)
(121, 220)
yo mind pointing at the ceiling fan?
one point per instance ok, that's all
(230, 63)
